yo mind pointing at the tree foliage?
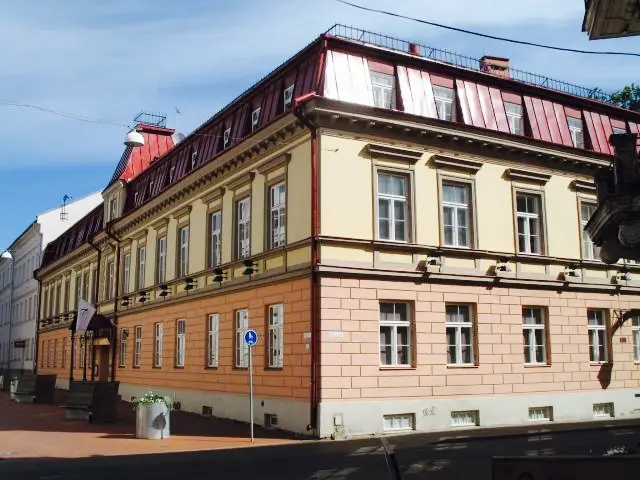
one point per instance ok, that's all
(628, 97)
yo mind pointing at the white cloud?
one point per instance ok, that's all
(110, 60)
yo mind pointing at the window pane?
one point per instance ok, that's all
(521, 203)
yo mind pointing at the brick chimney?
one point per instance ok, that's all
(414, 49)
(495, 66)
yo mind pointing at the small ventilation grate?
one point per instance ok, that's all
(270, 420)
(207, 411)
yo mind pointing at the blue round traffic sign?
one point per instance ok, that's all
(250, 337)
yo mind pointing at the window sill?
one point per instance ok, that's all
(399, 367)
(454, 366)
(599, 364)
(240, 368)
(536, 365)
(157, 367)
(273, 369)
(210, 367)
(137, 367)
(179, 367)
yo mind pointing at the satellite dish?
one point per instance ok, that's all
(134, 139)
(178, 137)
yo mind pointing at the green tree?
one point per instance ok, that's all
(628, 97)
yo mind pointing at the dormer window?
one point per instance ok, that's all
(194, 159)
(576, 130)
(514, 118)
(618, 130)
(255, 119)
(172, 171)
(225, 138)
(288, 97)
(444, 98)
(383, 89)
(113, 208)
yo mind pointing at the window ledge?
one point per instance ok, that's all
(399, 367)
(273, 369)
(599, 364)
(179, 367)
(454, 365)
(536, 365)
(210, 367)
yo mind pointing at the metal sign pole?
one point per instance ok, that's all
(251, 389)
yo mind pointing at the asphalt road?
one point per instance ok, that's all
(419, 455)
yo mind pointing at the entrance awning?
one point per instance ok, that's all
(97, 322)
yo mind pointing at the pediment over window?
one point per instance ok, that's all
(530, 176)
(393, 153)
(584, 186)
(454, 163)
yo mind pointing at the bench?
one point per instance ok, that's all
(92, 401)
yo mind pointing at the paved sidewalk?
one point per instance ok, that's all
(41, 431)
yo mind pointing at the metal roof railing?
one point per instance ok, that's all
(461, 61)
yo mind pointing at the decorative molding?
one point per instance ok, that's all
(240, 181)
(213, 195)
(181, 212)
(531, 176)
(141, 235)
(583, 186)
(160, 224)
(453, 163)
(393, 153)
(274, 163)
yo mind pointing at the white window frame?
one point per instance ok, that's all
(277, 214)
(241, 357)
(110, 280)
(142, 261)
(391, 199)
(635, 331)
(113, 208)
(618, 130)
(529, 217)
(576, 131)
(589, 250)
(183, 256)
(598, 336)
(288, 97)
(215, 233)
(380, 83)
(243, 228)
(181, 342)
(123, 348)
(255, 118)
(226, 136)
(456, 208)
(162, 259)
(126, 272)
(158, 344)
(454, 312)
(444, 101)
(530, 341)
(395, 325)
(137, 349)
(515, 119)
(275, 347)
(213, 337)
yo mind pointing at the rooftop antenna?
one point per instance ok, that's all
(64, 215)
(178, 113)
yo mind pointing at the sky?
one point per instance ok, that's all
(111, 60)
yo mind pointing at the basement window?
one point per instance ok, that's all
(601, 410)
(469, 418)
(403, 421)
(541, 414)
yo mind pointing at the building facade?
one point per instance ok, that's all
(611, 18)
(20, 288)
(404, 234)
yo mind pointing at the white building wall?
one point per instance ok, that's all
(27, 254)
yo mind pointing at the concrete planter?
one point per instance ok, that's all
(152, 421)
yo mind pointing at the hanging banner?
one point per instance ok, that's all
(85, 312)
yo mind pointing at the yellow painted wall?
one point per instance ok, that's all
(563, 225)
(299, 192)
(494, 208)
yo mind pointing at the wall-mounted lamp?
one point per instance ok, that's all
(219, 275)
(250, 267)
(571, 271)
(622, 276)
(164, 290)
(125, 301)
(434, 261)
(189, 284)
(143, 297)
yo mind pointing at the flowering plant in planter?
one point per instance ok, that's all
(149, 398)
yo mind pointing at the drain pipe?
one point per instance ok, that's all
(96, 290)
(315, 290)
(108, 230)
